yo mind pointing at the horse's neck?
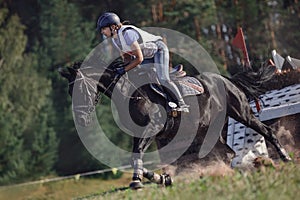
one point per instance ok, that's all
(126, 91)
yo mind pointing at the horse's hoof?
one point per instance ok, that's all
(285, 156)
(136, 184)
(166, 180)
(286, 159)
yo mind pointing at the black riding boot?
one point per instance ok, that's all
(182, 106)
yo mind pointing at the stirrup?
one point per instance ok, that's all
(183, 109)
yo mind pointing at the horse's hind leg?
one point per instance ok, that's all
(246, 117)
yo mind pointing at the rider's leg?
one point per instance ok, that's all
(161, 63)
(174, 89)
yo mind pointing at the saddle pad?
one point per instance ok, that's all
(189, 86)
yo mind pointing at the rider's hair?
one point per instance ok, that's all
(123, 23)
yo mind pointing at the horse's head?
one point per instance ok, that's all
(83, 90)
(70, 74)
(85, 83)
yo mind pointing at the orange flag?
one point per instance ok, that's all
(239, 42)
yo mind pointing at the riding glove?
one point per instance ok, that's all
(120, 71)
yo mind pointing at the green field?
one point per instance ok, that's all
(267, 183)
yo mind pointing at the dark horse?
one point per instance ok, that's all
(149, 118)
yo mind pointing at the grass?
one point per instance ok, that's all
(62, 190)
(269, 183)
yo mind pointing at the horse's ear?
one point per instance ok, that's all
(77, 65)
(72, 71)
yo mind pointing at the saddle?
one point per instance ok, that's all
(188, 86)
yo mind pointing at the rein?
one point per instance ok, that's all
(100, 94)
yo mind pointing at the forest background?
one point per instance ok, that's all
(37, 133)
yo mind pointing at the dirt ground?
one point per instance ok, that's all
(288, 133)
(288, 127)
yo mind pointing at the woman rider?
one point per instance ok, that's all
(140, 44)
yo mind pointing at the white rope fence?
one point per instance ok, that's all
(74, 176)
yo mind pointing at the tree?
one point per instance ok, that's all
(24, 100)
(287, 22)
(64, 38)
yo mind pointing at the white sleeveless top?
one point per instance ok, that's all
(146, 41)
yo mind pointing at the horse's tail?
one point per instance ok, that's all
(252, 83)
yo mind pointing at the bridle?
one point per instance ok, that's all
(86, 82)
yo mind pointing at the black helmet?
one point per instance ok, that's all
(107, 19)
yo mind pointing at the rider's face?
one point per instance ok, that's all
(109, 31)
(106, 31)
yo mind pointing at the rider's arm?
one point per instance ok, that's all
(127, 58)
(137, 54)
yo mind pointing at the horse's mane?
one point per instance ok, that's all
(284, 79)
(253, 82)
(266, 78)
(92, 69)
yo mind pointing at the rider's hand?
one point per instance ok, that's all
(120, 71)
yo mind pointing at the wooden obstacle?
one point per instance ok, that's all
(248, 144)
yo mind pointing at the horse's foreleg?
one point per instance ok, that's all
(137, 177)
(140, 145)
(139, 173)
(162, 179)
(142, 142)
